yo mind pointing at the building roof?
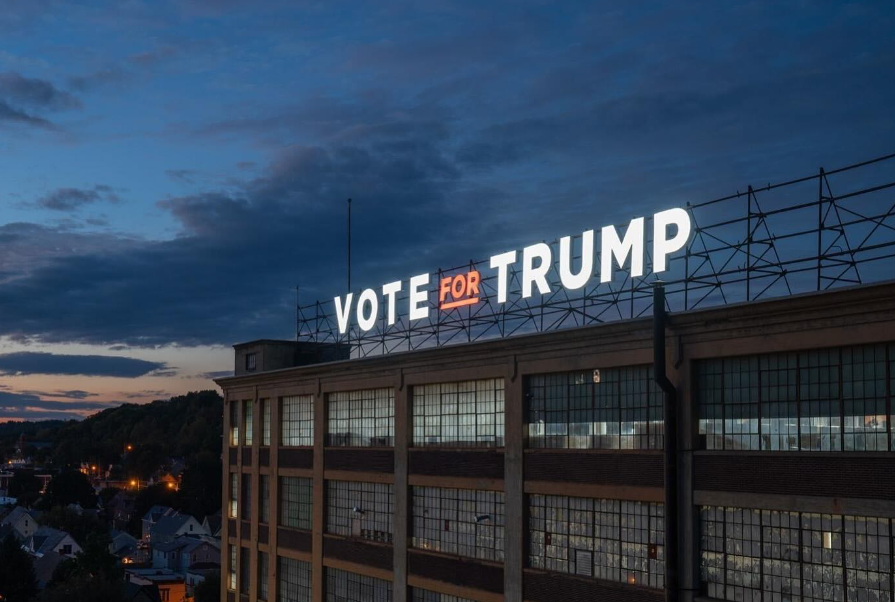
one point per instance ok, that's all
(169, 525)
(17, 514)
(139, 593)
(45, 539)
(156, 512)
(170, 546)
(45, 566)
(213, 523)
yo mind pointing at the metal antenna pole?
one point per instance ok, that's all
(349, 245)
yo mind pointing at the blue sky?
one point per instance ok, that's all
(170, 170)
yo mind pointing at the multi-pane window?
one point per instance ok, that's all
(613, 408)
(362, 418)
(262, 575)
(265, 422)
(423, 595)
(248, 422)
(234, 422)
(296, 502)
(356, 509)
(465, 522)
(264, 494)
(294, 580)
(297, 420)
(344, 586)
(231, 573)
(615, 540)
(246, 496)
(251, 361)
(819, 400)
(244, 571)
(750, 555)
(464, 414)
(234, 494)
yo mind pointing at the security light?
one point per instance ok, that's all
(357, 510)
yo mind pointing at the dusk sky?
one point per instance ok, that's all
(169, 171)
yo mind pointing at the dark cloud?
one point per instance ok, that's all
(216, 374)
(184, 176)
(31, 406)
(69, 199)
(23, 99)
(30, 362)
(102, 77)
(73, 394)
(35, 93)
(13, 115)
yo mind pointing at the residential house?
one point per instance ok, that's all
(212, 523)
(171, 586)
(120, 509)
(137, 592)
(153, 516)
(127, 548)
(48, 539)
(23, 521)
(182, 553)
(168, 528)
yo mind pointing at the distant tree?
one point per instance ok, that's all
(70, 487)
(23, 482)
(80, 526)
(83, 588)
(93, 575)
(210, 589)
(107, 494)
(200, 487)
(17, 580)
(156, 495)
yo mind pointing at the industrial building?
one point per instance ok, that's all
(533, 467)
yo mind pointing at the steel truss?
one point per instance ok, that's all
(835, 228)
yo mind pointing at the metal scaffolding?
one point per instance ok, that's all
(831, 229)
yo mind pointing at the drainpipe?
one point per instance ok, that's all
(671, 484)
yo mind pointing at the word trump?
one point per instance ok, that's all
(537, 261)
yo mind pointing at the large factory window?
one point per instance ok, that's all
(296, 502)
(297, 420)
(773, 556)
(820, 400)
(459, 521)
(356, 509)
(604, 539)
(344, 586)
(362, 418)
(262, 576)
(248, 435)
(234, 422)
(294, 580)
(464, 414)
(611, 408)
(265, 422)
(234, 495)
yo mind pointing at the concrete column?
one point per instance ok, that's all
(273, 564)
(318, 525)
(688, 438)
(256, 499)
(403, 433)
(514, 497)
(225, 496)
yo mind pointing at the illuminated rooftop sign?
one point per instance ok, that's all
(671, 231)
